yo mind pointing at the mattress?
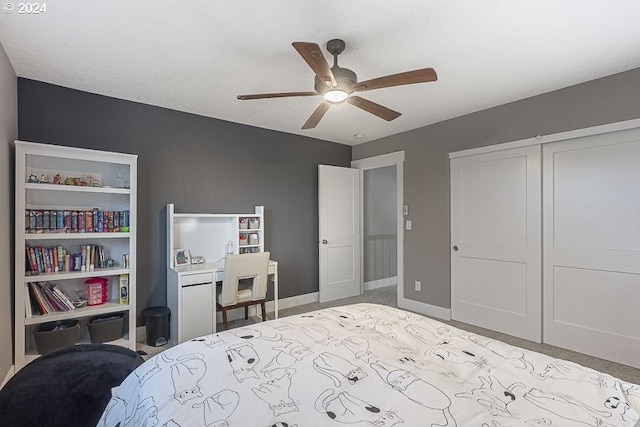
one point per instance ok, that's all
(364, 365)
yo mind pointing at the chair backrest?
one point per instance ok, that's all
(245, 266)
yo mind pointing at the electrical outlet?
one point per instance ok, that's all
(418, 285)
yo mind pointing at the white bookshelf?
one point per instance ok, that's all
(114, 191)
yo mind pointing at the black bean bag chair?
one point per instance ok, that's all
(69, 387)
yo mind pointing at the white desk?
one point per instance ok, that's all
(191, 296)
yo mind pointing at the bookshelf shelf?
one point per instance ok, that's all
(65, 275)
(75, 236)
(90, 310)
(40, 206)
(78, 189)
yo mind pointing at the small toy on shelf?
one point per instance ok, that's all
(68, 181)
(57, 179)
(44, 179)
(93, 182)
(79, 182)
(32, 178)
(197, 259)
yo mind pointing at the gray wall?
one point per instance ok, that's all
(200, 164)
(8, 133)
(426, 169)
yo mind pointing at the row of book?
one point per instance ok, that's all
(73, 221)
(45, 298)
(56, 259)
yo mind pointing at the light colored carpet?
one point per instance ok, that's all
(387, 296)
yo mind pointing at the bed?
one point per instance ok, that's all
(364, 365)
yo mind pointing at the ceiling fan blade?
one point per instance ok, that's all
(316, 115)
(275, 95)
(373, 108)
(422, 75)
(312, 54)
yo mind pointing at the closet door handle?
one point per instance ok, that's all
(455, 248)
(324, 241)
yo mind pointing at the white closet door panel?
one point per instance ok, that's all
(592, 245)
(587, 197)
(491, 278)
(495, 227)
(594, 287)
(494, 210)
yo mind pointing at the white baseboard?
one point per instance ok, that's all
(12, 370)
(380, 283)
(426, 309)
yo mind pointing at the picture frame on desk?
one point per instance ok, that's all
(181, 257)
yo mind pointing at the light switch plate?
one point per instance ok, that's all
(408, 224)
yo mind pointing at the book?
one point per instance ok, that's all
(27, 302)
(123, 286)
(56, 305)
(37, 297)
(67, 221)
(38, 221)
(55, 259)
(53, 218)
(61, 256)
(88, 219)
(74, 221)
(32, 259)
(81, 222)
(46, 222)
(39, 259)
(63, 297)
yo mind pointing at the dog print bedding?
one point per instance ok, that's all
(364, 365)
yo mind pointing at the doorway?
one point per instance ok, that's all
(380, 234)
(382, 221)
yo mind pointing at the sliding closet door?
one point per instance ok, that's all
(591, 203)
(496, 241)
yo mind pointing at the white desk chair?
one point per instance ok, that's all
(245, 266)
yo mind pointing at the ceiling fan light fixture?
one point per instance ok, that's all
(335, 95)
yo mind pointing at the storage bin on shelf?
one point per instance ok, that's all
(253, 239)
(51, 336)
(97, 290)
(105, 328)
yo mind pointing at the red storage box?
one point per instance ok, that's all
(97, 290)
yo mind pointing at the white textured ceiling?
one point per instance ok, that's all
(196, 56)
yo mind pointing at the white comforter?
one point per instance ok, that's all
(364, 365)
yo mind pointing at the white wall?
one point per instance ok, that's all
(8, 133)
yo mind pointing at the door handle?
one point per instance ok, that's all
(455, 248)
(324, 241)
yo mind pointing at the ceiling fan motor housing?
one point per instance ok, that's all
(345, 79)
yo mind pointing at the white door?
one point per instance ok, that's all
(496, 241)
(339, 234)
(592, 245)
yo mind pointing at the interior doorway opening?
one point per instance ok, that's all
(380, 257)
(382, 222)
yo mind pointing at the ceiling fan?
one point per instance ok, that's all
(337, 84)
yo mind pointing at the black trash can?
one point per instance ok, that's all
(157, 321)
